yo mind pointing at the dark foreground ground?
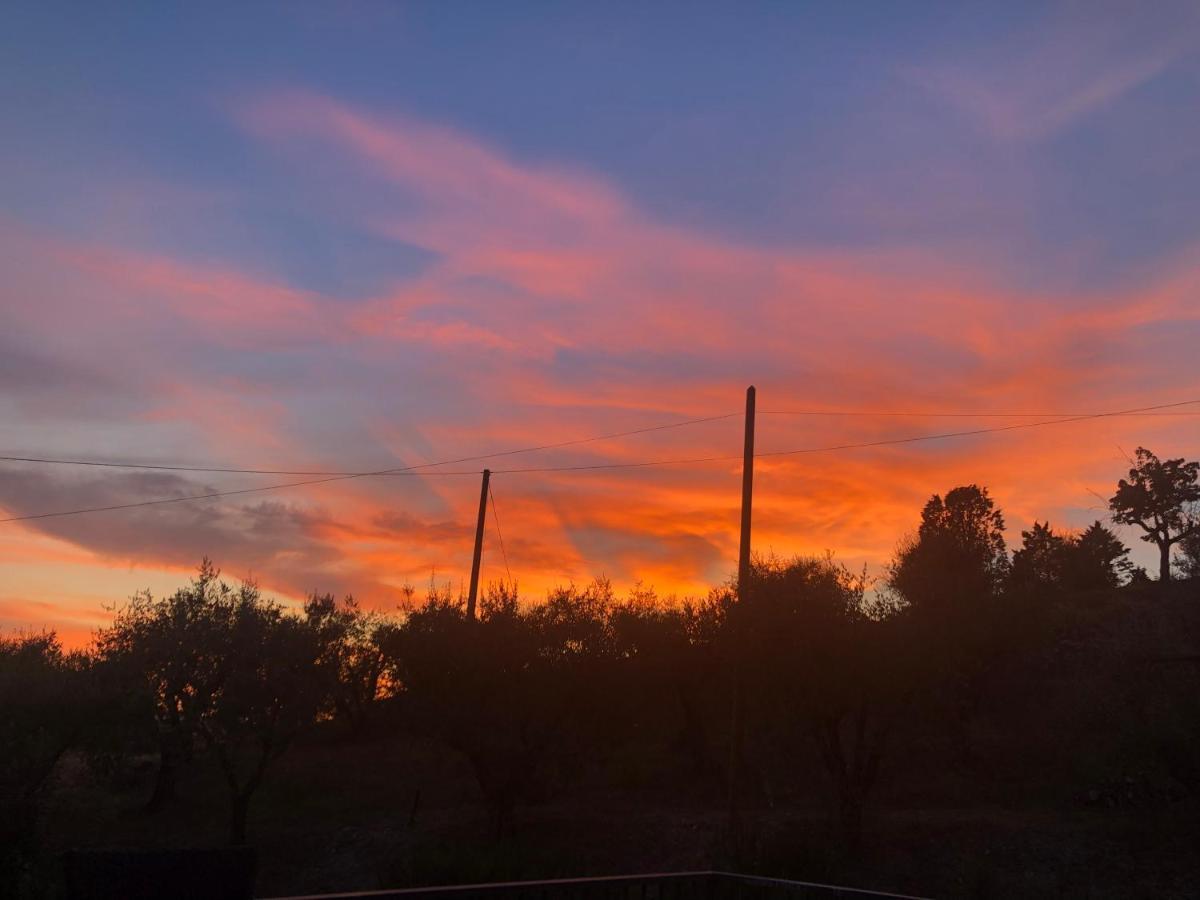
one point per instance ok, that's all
(338, 818)
(1072, 788)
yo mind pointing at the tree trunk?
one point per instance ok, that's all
(1164, 562)
(165, 779)
(239, 809)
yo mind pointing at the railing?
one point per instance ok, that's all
(671, 886)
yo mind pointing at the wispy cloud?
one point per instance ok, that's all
(1046, 79)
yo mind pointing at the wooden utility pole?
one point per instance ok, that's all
(747, 492)
(738, 724)
(483, 498)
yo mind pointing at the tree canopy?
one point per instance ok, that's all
(957, 557)
(1157, 498)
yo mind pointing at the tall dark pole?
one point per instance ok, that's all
(738, 724)
(747, 492)
(483, 497)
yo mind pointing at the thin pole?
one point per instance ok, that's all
(483, 498)
(738, 723)
(747, 495)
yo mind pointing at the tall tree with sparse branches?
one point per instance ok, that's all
(1156, 498)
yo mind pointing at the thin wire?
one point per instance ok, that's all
(632, 465)
(1083, 417)
(402, 470)
(419, 468)
(602, 466)
(334, 476)
(499, 533)
(951, 415)
(208, 496)
(836, 447)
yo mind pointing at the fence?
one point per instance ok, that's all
(672, 886)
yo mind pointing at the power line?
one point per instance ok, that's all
(401, 470)
(836, 447)
(610, 466)
(1082, 417)
(208, 496)
(871, 413)
(421, 467)
(330, 476)
(499, 533)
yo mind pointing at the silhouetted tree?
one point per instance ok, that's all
(224, 665)
(44, 710)
(1139, 576)
(170, 654)
(700, 675)
(829, 671)
(353, 650)
(1042, 559)
(272, 688)
(510, 690)
(1188, 561)
(950, 577)
(957, 558)
(1156, 498)
(1091, 560)
(1095, 559)
(51, 703)
(666, 668)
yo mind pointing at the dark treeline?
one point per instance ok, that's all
(854, 680)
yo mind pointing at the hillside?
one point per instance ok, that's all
(1076, 777)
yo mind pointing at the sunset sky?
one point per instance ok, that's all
(362, 236)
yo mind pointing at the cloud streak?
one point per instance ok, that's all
(1039, 84)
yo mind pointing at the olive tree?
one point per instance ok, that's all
(271, 691)
(224, 668)
(169, 654)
